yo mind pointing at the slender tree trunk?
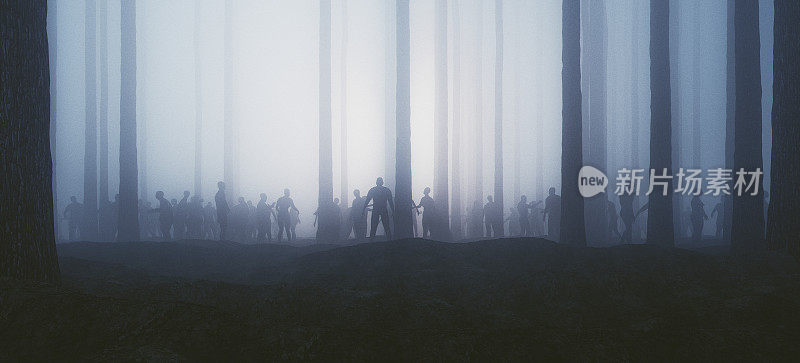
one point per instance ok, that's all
(440, 161)
(478, 151)
(676, 76)
(517, 116)
(141, 101)
(229, 138)
(784, 207)
(659, 217)
(102, 120)
(456, 202)
(498, 109)
(697, 85)
(403, 202)
(344, 187)
(390, 84)
(90, 224)
(325, 198)
(573, 230)
(52, 23)
(730, 113)
(539, 101)
(635, 111)
(28, 250)
(747, 233)
(596, 229)
(128, 168)
(198, 105)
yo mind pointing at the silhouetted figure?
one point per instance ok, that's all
(181, 213)
(380, 197)
(223, 210)
(719, 212)
(73, 214)
(238, 220)
(493, 218)
(476, 220)
(294, 220)
(698, 216)
(514, 223)
(626, 213)
(164, 216)
(210, 230)
(523, 216)
(552, 213)
(194, 218)
(359, 220)
(285, 205)
(428, 212)
(264, 213)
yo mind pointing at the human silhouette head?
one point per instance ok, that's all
(73, 199)
(490, 199)
(221, 185)
(286, 192)
(523, 198)
(379, 182)
(336, 201)
(263, 197)
(427, 190)
(552, 191)
(357, 193)
(174, 201)
(241, 200)
(159, 195)
(186, 194)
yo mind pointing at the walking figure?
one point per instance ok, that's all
(222, 211)
(284, 205)
(380, 197)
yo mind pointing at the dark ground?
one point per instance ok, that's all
(511, 299)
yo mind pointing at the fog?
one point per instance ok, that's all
(275, 93)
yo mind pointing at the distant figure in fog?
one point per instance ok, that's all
(222, 211)
(210, 230)
(719, 211)
(194, 219)
(263, 218)
(428, 212)
(522, 213)
(380, 197)
(359, 220)
(698, 217)
(552, 212)
(72, 213)
(181, 213)
(285, 205)
(238, 220)
(476, 220)
(493, 218)
(164, 216)
(514, 222)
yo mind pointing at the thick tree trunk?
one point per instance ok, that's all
(596, 228)
(403, 202)
(390, 84)
(441, 139)
(325, 198)
(660, 229)
(635, 32)
(52, 33)
(102, 120)
(128, 168)
(498, 108)
(141, 101)
(517, 116)
(478, 143)
(730, 112)
(343, 128)
(229, 138)
(198, 105)
(783, 231)
(698, 98)
(747, 233)
(573, 230)
(28, 249)
(677, 105)
(456, 202)
(89, 227)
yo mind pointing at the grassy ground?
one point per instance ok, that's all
(519, 299)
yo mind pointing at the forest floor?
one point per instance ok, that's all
(507, 299)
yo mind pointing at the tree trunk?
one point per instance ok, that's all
(730, 112)
(325, 198)
(478, 144)
(141, 101)
(389, 84)
(783, 231)
(440, 161)
(659, 217)
(52, 33)
(102, 120)
(456, 202)
(698, 97)
(28, 250)
(198, 105)
(677, 106)
(635, 32)
(747, 233)
(498, 109)
(403, 202)
(90, 225)
(573, 230)
(343, 129)
(517, 117)
(128, 168)
(596, 228)
(229, 147)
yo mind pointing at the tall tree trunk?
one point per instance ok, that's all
(478, 144)
(141, 101)
(440, 141)
(28, 250)
(596, 229)
(198, 105)
(52, 33)
(229, 138)
(784, 207)
(697, 85)
(730, 112)
(676, 76)
(660, 229)
(102, 120)
(635, 114)
(573, 230)
(539, 102)
(390, 84)
(747, 233)
(403, 202)
(325, 198)
(456, 202)
(343, 129)
(90, 224)
(498, 108)
(517, 116)
(128, 168)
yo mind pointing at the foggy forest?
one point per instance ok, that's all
(293, 130)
